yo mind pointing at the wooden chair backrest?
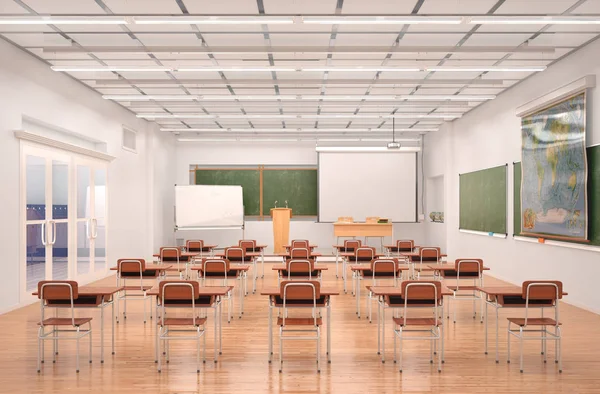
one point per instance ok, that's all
(352, 244)
(57, 290)
(170, 253)
(384, 265)
(299, 265)
(216, 265)
(247, 244)
(300, 253)
(131, 265)
(405, 245)
(300, 243)
(194, 245)
(235, 253)
(429, 253)
(422, 290)
(300, 290)
(178, 290)
(468, 265)
(365, 253)
(543, 289)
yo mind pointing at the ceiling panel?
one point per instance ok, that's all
(378, 7)
(208, 7)
(535, 6)
(431, 39)
(293, 39)
(365, 39)
(567, 40)
(230, 40)
(149, 7)
(64, 6)
(299, 6)
(497, 39)
(456, 6)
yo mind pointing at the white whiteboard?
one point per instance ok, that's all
(200, 206)
(360, 185)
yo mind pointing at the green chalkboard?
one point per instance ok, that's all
(593, 188)
(249, 180)
(297, 186)
(483, 200)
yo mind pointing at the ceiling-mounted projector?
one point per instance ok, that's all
(393, 145)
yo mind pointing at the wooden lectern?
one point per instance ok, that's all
(281, 228)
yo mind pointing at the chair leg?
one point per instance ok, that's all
(198, 349)
(559, 340)
(318, 350)
(158, 355)
(544, 351)
(40, 340)
(54, 341)
(400, 340)
(144, 302)
(508, 344)
(280, 349)
(521, 348)
(441, 331)
(77, 355)
(440, 337)
(204, 345)
(395, 345)
(157, 346)
(90, 334)
(431, 342)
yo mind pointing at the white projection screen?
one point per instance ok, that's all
(199, 206)
(360, 185)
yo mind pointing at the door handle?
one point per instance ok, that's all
(88, 223)
(95, 227)
(43, 231)
(53, 232)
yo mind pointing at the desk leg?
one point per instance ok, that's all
(220, 322)
(216, 332)
(329, 332)
(383, 335)
(379, 325)
(358, 294)
(497, 359)
(270, 330)
(337, 256)
(102, 332)
(486, 328)
(262, 260)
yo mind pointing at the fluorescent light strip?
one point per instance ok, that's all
(278, 116)
(237, 69)
(382, 20)
(535, 20)
(452, 97)
(381, 149)
(110, 69)
(62, 20)
(487, 69)
(212, 20)
(305, 97)
(294, 130)
(361, 69)
(141, 97)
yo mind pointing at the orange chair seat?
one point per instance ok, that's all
(533, 321)
(299, 321)
(417, 321)
(65, 321)
(182, 321)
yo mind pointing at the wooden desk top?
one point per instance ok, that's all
(310, 246)
(397, 291)
(151, 267)
(248, 254)
(95, 290)
(237, 267)
(504, 290)
(447, 266)
(203, 292)
(275, 291)
(352, 254)
(367, 267)
(182, 254)
(317, 268)
(395, 246)
(416, 254)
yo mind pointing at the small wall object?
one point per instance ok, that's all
(437, 217)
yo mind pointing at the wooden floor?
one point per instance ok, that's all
(355, 366)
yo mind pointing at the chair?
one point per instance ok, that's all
(300, 268)
(300, 243)
(172, 254)
(362, 254)
(235, 254)
(301, 253)
(300, 295)
(350, 245)
(220, 269)
(196, 246)
(180, 294)
(427, 254)
(249, 246)
(60, 294)
(402, 245)
(421, 293)
(465, 269)
(134, 269)
(543, 293)
(381, 268)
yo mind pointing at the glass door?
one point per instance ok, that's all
(46, 229)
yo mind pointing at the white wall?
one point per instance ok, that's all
(293, 153)
(490, 136)
(30, 88)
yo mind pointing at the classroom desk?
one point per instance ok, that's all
(318, 268)
(261, 249)
(205, 291)
(254, 256)
(327, 292)
(243, 268)
(104, 296)
(358, 271)
(205, 249)
(390, 247)
(493, 296)
(437, 267)
(383, 291)
(362, 229)
(345, 256)
(311, 247)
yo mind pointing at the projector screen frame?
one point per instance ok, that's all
(351, 153)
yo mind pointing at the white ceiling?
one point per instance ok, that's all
(284, 46)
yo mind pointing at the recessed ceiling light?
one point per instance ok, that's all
(382, 20)
(141, 97)
(535, 20)
(62, 20)
(313, 116)
(212, 20)
(487, 69)
(110, 68)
